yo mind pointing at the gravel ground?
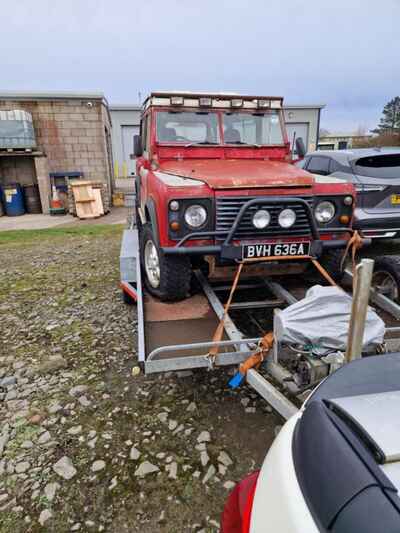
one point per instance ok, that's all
(84, 445)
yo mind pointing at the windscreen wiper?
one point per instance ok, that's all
(200, 143)
(245, 144)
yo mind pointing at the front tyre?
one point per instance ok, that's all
(166, 277)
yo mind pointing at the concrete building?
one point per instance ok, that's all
(73, 135)
(339, 141)
(125, 124)
(301, 121)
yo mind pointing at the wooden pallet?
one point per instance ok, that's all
(87, 200)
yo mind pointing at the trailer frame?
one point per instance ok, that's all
(242, 347)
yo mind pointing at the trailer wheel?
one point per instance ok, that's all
(386, 276)
(331, 260)
(166, 277)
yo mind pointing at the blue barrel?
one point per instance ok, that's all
(13, 200)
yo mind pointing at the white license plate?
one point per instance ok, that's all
(256, 251)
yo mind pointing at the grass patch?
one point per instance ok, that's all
(28, 235)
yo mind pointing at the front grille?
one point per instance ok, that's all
(228, 207)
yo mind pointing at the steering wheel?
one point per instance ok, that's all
(180, 138)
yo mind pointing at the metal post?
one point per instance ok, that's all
(359, 308)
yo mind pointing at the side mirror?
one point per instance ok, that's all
(300, 147)
(137, 146)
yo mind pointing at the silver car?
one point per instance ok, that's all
(375, 172)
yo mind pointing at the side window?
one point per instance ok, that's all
(143, 133)
(319, 165)
(335, 167)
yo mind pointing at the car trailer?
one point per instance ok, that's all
(179, 335)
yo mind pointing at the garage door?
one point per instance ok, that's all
(300, 130)
(127, 133)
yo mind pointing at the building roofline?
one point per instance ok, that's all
(50, 95)
(306, 106)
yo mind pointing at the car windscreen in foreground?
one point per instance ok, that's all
(252, 128)
(187, 127)
(378, 166)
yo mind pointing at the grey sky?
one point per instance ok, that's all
(342, 53)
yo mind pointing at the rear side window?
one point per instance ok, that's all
(319, 165)
(378, 166)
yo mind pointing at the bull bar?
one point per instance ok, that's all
(231, 252)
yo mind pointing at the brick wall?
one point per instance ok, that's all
(71, 134)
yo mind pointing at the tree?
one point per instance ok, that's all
(323, 132)
(390, 121)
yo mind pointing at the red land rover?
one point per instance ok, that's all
(215, 180)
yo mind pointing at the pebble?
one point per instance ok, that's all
(4, 437)
(204, 437)
(184, 373)
(78, 390)
(172, 424)
(64, 468)
(210, 473)
(11, 395)
(92, 443)
(204, 458)
(173, 470)
(224, 458)
(36, 419)
(113, 484)
(7, 381)
(84, 401)
(146, 468)
(54, 408)
(44, 437)
(162, 417)
(44, 516)
(75, 430)
(22, 467)
(50, 491)
(98, 465)
(134, 454)
(191, 407)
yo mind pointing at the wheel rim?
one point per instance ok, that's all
(385, 284)
(152, 264)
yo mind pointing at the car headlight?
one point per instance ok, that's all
(324, 212)
(261, 219)
(195, 216)
(287, 218)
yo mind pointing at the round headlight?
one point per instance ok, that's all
(174, 205)
(261, 219)
(195, 216)
(287, 218)
(348, 200)
(324, 212)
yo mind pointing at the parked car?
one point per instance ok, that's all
(334, 465)
(216, 185)
(375, 172)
